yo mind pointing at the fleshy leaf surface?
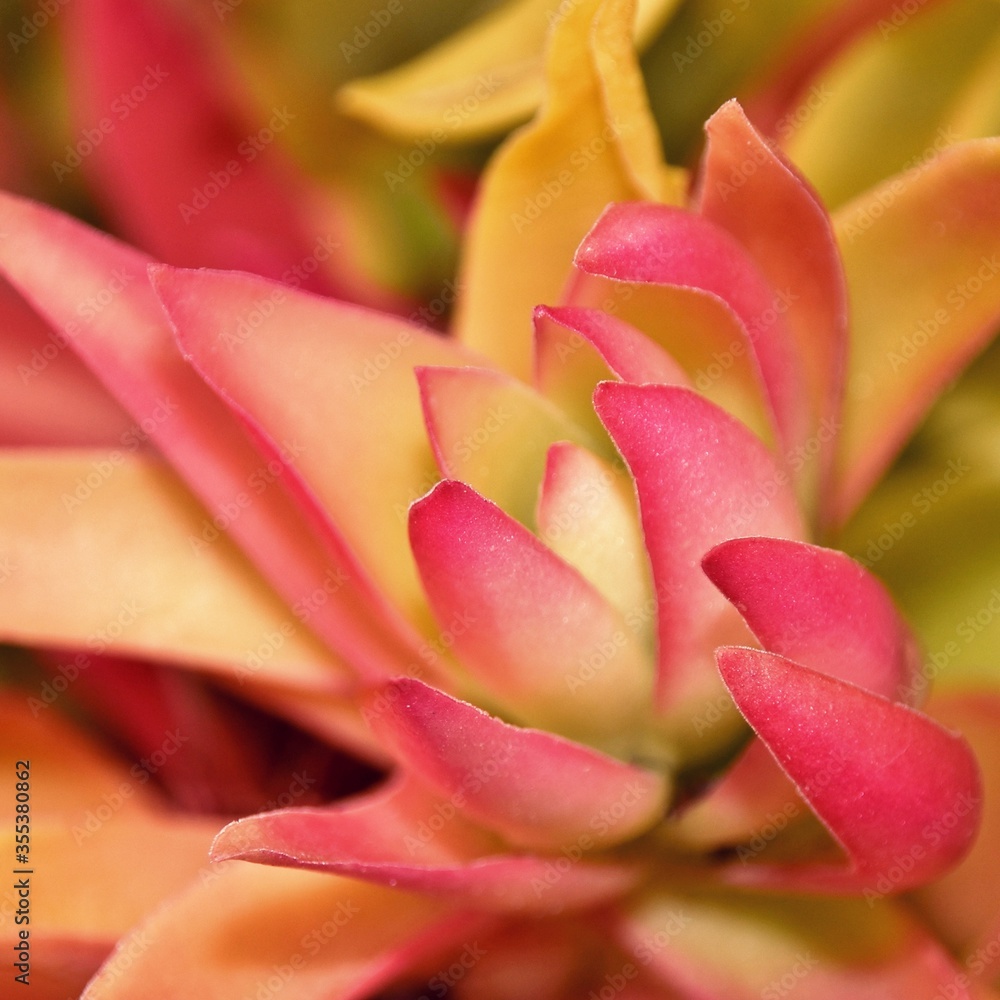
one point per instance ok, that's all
(755, 193)
(93, 822)
(900, 794)
(826, 949)
(324, 935)
(95, 294)
(593, 142)
(103, 551)
(702, 478)
(532, 631)
(400, 835)
(820, 608)
(493, 432)
(922, 257)
(536, 789)
(484, 79)
(46, 396)
(577, 348)
(659, 245)
(357, 414)
(588, 516)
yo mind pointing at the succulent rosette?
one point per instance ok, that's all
(564, 572)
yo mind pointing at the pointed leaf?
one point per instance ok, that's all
(339, 379)
(757, 196)
(402, 836)
(593, 142)
(820, 608)
(922, 256)
(244, 926)
(901, 794)
(702, 478)
(218, 192)
(529, 628)
(94, 292)
(493, 433)
(577, 348)
(105, 554)
(657, 245)
(484, 79)
(536, 789)
(587, 515)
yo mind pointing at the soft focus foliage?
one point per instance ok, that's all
(441, 486)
